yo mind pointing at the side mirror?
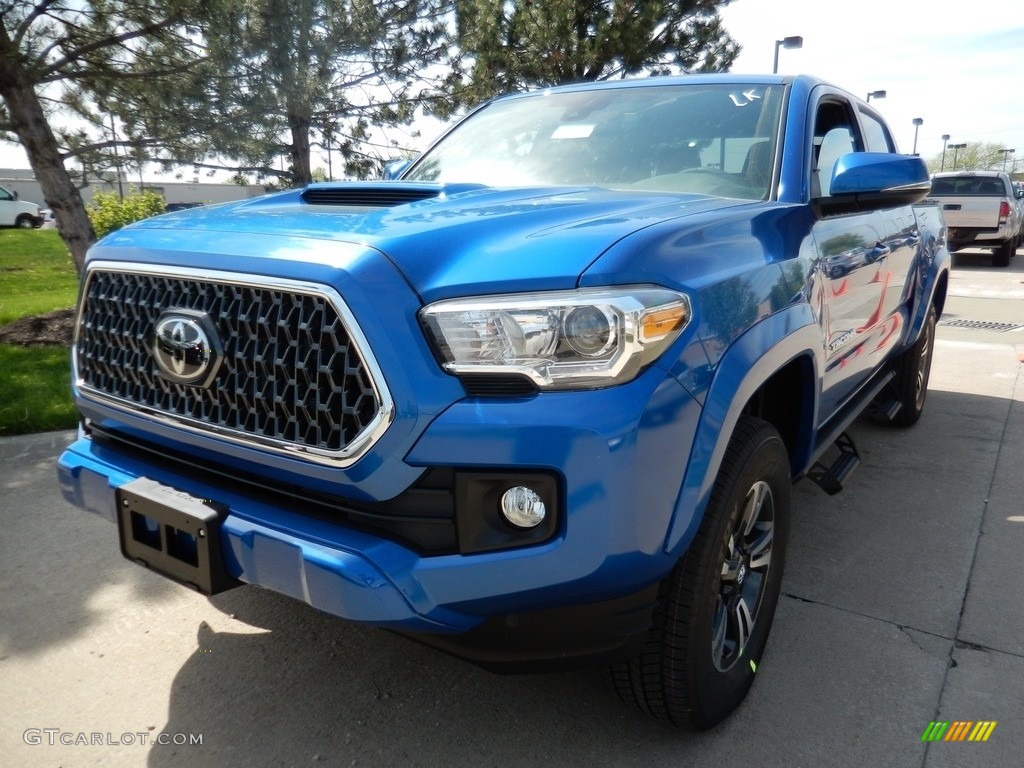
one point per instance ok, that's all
(394, 169)
(871, 181)
(15, 195)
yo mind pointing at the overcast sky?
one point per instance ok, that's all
(958, 66)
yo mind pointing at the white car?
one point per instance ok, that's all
(17, 213)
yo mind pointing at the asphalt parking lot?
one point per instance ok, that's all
(901, 607)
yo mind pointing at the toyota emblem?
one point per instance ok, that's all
(186, 347)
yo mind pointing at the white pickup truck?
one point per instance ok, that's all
(18, 213)
(981, 210)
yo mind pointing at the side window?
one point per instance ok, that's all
(5, 195)
(835, 134)
(876, 135)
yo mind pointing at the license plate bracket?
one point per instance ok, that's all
(173, 533)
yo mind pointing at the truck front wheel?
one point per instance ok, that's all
(716, 607)
(24, 222)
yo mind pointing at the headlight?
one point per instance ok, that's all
(559, 340)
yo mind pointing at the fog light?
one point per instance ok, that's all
(522, 507)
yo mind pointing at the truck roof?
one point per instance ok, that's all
(947, 174)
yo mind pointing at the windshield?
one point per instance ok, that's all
(708, 139)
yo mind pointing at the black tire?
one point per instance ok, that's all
(913, 370)
(24, 222)
(835, 273)
(715, 609)
(1001, 255)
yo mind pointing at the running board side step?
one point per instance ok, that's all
(837, 461)
(885, 406)
(830, 477)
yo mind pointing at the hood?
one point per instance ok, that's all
(453, 240)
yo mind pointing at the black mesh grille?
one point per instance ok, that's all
(290, 372)
(498, 386)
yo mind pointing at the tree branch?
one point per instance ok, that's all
(136, 75)
(23, 28)
(130, 144)
(263, 170)
(105, 42)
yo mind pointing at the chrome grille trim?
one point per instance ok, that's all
(354, 349)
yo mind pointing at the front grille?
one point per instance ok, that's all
(291, 376)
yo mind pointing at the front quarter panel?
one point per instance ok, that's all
(780, 339)
(756, 300)
(737, 269)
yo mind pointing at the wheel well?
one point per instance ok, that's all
(786, 401)
(939, 296)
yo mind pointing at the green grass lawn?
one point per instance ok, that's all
(36, 387)
(36, 273)
(36, 276)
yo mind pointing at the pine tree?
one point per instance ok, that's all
(512, 45)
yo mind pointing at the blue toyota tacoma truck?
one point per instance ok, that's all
(539, 398)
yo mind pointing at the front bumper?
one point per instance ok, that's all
(620, 477)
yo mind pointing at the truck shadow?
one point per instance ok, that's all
(317, 689)
(61, 571)
(312, 688)
(976, 259)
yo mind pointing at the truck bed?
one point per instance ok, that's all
(969, 201)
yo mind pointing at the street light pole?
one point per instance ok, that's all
(876, 95)
(1005, 153)
(787, 42)
(945, 140)
(918, 122)
(956, 151)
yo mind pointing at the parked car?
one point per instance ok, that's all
(540, 401)
(981, 210)
(18, 213)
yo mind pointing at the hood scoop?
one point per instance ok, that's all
(369, 195)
